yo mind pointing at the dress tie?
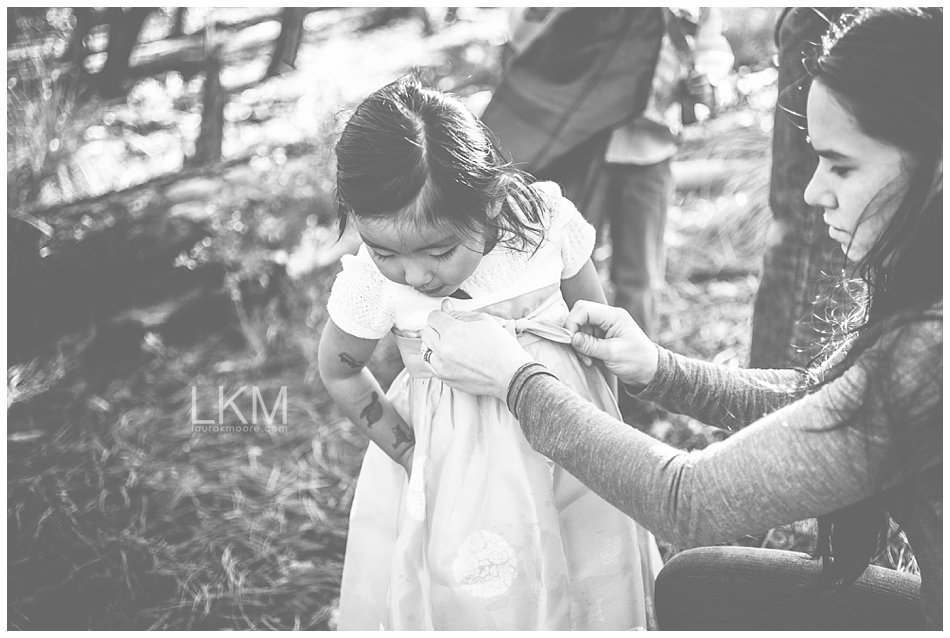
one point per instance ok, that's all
(519, 316)
(543, 329)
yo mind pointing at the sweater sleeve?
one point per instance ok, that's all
(818, 454)
(360, 302)
(728, 398)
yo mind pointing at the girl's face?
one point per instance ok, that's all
(859, 182)
(434, 260)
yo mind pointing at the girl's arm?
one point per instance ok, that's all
(584, 285)
(342, 362)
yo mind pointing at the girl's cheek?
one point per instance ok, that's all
(389, 272)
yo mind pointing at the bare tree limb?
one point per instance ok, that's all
(288, 42)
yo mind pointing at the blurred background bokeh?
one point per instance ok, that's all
(171, 237)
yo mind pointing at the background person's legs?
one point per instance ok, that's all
(800, 258)
(743, 588)
(638, 199)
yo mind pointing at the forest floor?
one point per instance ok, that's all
(123, 512)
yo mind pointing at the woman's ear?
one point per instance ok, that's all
(495, 208)
(936, 186)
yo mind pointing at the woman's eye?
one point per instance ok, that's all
(841, 171)
(446, 254)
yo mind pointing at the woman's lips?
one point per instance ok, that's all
(835, 229)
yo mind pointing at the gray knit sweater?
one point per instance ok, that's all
(795, 457)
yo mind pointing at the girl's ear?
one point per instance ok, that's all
(496, 207)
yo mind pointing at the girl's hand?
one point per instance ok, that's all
(405, 459)
(611, 335)
(472, 352)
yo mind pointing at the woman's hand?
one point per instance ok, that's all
(472, 352)
(611, 335)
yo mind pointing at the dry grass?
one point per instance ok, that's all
(121, 516)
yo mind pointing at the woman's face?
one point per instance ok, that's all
(859, 182)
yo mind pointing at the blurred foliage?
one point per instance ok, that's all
(751, 34)
(256, 222)
(45, 125)
(46, 30)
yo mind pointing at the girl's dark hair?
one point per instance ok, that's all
(409, 148)
(885, 67)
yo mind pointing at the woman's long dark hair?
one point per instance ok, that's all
(885, 67)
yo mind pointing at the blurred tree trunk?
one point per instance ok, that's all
(288, 42)
(178, 29)
(124, 28)
(211, 132)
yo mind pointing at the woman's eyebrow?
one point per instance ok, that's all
(832, 155)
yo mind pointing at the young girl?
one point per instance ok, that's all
(456, 522)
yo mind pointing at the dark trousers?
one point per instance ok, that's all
(796, 292)
(742, 588)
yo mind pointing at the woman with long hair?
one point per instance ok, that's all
(854, 438)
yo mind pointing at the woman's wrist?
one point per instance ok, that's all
(638, 382)
(635, 388)
(520, 379)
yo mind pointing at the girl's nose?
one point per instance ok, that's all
(816, 194)
(416, 275)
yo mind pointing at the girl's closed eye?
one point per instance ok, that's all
(448, 253)
(379, 255)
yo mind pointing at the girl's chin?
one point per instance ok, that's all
(441, 291)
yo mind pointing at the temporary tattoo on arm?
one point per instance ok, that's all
(348, 359)
(373, 411)
(402, 435)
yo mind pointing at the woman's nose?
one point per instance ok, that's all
(816, 194)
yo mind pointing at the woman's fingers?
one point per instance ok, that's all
(579, 316)
(440, 322)
(586, 314)
(430, 337)
(588, 346)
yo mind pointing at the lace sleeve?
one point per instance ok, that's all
(360, 303)
(568, 230)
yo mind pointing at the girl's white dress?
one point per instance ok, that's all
(487, 534)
